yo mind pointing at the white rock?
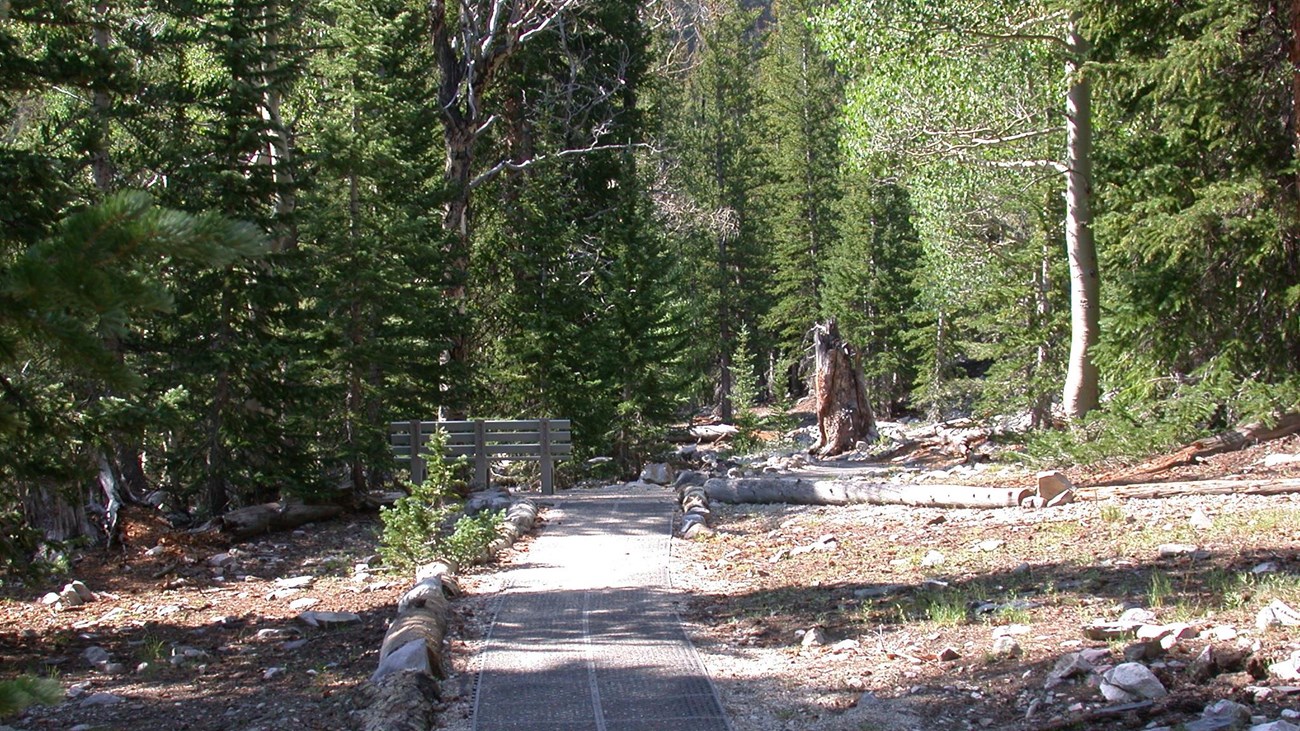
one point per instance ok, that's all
(50, 599)
(991, 544)
(1170, 550)
(1199, 520)
(1277, 460)
(845, 645)
(1133, 679)
(1138, 615)
(1275, 726)
(815, 637)
(1006, 646)
(328, 619)
(412, 656)
(1268, 567)
(155, 551)
(932, 558)
(304, 603)
(70, 597)
(82, 590)
(1287, 669)
(1277, 614)
(101, 699)
(271, 673)
(295, 582)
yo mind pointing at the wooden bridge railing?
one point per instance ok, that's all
(482, 440)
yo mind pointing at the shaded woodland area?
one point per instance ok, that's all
(238, 238)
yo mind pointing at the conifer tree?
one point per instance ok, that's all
(802, 97)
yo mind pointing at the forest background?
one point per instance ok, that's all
(238, 238)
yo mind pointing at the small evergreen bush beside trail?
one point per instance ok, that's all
(419, 527)
(18, 694)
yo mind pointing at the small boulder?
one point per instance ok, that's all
(1006, 647)
(658, 473)
(1277, 614)
(1051, 484)
(1131, 681)
(815, 637)
(82, 591)
(96, 657)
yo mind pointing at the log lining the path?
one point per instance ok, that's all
(798, 491)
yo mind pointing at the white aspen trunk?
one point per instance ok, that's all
(1081, 381)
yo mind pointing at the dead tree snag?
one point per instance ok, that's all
(844, 416)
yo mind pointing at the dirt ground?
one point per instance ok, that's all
(243, 661)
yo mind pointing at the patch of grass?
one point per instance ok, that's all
(1159, 589)
(154, 650)
(1111, 513)
(947, 610)
(1011, 615)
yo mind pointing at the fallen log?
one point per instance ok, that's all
(256, 520)
(1229, 441)
(798, 491)
(1152, 490)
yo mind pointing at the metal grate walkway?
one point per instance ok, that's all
(587, 637)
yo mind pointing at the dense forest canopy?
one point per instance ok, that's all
(238, 238)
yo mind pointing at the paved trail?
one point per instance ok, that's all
(586, 637)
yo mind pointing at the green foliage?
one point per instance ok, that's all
(470, 537)
(17, 694)
(801, 96)
(1156, 416)
(413, 524)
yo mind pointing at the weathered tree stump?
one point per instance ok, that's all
(844, 416)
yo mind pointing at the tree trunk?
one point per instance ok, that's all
(1081, 381)
(844, 416)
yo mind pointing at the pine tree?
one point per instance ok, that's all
(802, 97)
(716, 136)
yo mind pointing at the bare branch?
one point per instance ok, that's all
(517, 165)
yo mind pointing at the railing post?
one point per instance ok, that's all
(417, 446)
(548, 469)
(481, 477)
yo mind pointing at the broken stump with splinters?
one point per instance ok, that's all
(844, 417)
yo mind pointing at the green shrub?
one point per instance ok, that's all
(413, 524)
(416, 529)
(17, 694)
(471, 537)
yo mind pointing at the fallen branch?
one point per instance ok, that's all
(798, 491)
(256, 520)
(1229, 441)
(1151, 490)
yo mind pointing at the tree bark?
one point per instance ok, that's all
(844, 416)
(1081, 382)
